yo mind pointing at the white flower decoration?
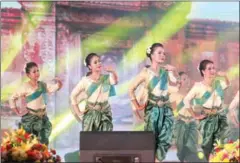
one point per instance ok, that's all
(85, 64)
(149, 50)
(24, 67)
(198, 67)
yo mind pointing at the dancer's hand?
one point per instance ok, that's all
(170, 68)
(137, 105)
(141, 107)
(16, 111)
(77, 113)
(221, 73)
(108, 68)
(137, 108)
(59, 82)
(179, 84)
(22, 113)
(224, 75)
(200, 117)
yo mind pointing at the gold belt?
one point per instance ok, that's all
(97, 106)
(38, 112)
(212, 111)
(185, 118)
(159, 102)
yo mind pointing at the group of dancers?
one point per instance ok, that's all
(200, 118)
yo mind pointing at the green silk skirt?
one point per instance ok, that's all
(160, 121)
(98, 120)
(213, 128)
(39, 126)
(187, 142)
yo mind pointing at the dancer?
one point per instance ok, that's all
(95, 88)
(234, 117)
(234, 105)
(208, 98)
(178, 93)
(34, 118)
(158, 113)
(185, 129)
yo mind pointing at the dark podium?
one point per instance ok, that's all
(117, 147)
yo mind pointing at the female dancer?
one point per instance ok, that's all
(178, 93)
(158, 114)
(234, 105)
(35, 119)
(208, 98)
(96, 88)
(234, 117)
(185, 129)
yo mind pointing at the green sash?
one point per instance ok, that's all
(216, 87)
(42, 90)
(180, 106)
(200, 101)
(162, 78)
(104, 80)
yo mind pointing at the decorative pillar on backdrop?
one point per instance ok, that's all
(10, 21)
(40, 44)
(70, 70)
(75, 73)
(62, 49)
